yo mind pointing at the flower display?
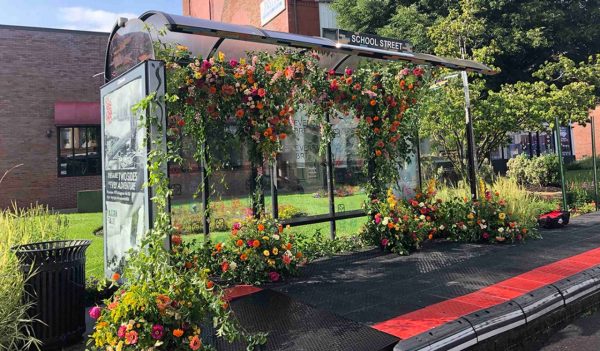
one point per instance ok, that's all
(257, 251)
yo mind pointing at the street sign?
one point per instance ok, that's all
(366, 40)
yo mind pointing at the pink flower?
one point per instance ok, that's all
(95, 312)
(519, 237)
(287, 259)
(384, 242)
(486, 236)
(233, 63)
(331, 72)
(348, 71)
(261, 92)
(237, 225)
(333, 85)
(274, 276)
(122, 330)
(404, 72)
(418, 71)
(131, 337)
(206, 65)
(378, 218)
(157, 331)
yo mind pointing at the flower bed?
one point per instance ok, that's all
(257, 251)
(401, 226)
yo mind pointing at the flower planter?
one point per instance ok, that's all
(554, 219)
(56, 289)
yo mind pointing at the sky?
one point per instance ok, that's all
(98, 16)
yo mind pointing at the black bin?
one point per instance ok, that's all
(57, 289)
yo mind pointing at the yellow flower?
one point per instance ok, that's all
(120, 346)
(197, 75)
(470, 215)
(221, 56)
(502, 215)
(242, 61)
(266, 253)
(182, 48)
(265, 237)
(275, 251)
(271, 262)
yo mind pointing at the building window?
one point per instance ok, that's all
(79, 151)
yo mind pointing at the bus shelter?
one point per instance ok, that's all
(131, 43)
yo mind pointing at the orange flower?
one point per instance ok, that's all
(376, 118)
(243, 257)
(188, 265)
(116, 276)
(259, 105)
(177, 333)
(376, 130)
(288, 246)
(299, 254)
(390, 225)
(261, 227)
(372, 102)
(282, 136)
(378, 152)
(273, 138)
(212, 90)
(240, 242)
(279, 228)
(113, 305)
(255, 243)
(210, 284)
(219, 247)
(176, 240)
(162, 301)
(430, 236)
(239, 113)
(225, 266)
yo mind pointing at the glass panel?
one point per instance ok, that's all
(128, 46)
(301, 174)
(348, 165)
(66, 150)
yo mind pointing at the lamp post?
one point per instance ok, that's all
(471, 158)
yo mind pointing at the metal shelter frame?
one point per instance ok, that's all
(131, 41)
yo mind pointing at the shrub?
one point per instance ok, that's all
(21, 226)
(257, 251)
(541, 170)
(289, 211)
(517, 167)
(317, 245)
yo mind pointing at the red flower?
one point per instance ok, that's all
(274, 276)
(262, 92)
(225, 266)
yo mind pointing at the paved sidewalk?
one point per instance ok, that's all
(371, 288)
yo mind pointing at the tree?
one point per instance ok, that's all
(525, 33)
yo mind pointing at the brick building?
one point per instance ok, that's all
(49, 114)
(582, 139)
(294, 16)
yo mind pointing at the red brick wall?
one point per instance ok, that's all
(248, 12)
(582, 138)
(37, 68)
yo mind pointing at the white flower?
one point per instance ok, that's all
(385, 220)
(422, 217)
(482, 226)
(276, 236)
(500, 230)
(464, 227)
(442, 227)
(421, 204)
(233, 266)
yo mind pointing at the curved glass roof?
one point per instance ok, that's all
(132, 43)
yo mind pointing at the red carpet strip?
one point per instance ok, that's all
(417, 322)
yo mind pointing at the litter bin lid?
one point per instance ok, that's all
(51, 251)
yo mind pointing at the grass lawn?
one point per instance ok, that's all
(82, 225)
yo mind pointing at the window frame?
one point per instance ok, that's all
(87, 128)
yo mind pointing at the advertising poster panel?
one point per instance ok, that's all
(127, 207)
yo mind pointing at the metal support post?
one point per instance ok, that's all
(558, 144)
(274, 200)
(471, 159)
(594, 162)
(330, 188)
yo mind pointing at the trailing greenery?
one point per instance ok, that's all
(17, 227)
